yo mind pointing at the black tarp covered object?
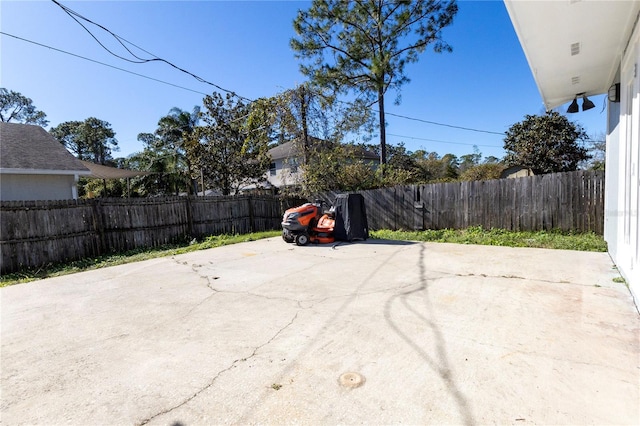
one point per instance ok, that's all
(351, 218)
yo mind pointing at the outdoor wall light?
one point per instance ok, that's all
(586, 104)
(573, 107)
(614, 93)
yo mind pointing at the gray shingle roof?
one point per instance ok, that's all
(30, 147)
(285, 150)
(291, 149)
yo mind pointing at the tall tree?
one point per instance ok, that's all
(546, 143)
(90, 140)
(434, 168)
(401, 168)
(229, 150)
(167, 176)
(364, 45)
(311, 121)
(297, 115)
(304, 113)
(468, 161)
(20, 109)
(177, 126)
(337, 167)
(174, 130)
(484, 171)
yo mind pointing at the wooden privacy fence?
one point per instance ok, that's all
(36, 233)
(572, 201)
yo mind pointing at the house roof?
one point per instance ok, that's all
(27, 148)
(106, 172)
(573, 46)
(285, 150)
(291, 149)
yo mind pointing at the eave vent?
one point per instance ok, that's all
(575, 49)
(575, 80)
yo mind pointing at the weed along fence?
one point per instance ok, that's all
(572, 201)
(36, 233)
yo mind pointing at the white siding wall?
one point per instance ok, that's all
(611, 216)
(36, 187)
(284, 176)
(622, 228)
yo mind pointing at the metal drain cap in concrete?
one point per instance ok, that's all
(351, 380)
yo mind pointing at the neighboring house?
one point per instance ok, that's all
(287, 157)
(516, 172)
(284, 170)
(585, 48)
(35, 166)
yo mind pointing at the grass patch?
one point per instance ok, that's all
(129, 257)
(501, 237)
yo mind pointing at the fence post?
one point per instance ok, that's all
(98, 224)
(418, 210)
(252, 225)
(189, 217)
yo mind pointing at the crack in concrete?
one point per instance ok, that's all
(310, 302)
(224, 370)
(210, 284)
(509, 277)
(360, 293)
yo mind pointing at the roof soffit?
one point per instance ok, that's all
(548, 30)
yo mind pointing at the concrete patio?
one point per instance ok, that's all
(263, 332)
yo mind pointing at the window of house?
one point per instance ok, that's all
(293, 165)
(272, 169)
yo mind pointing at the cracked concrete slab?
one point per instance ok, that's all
(260, 333)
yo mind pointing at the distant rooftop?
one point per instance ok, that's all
(291, 149)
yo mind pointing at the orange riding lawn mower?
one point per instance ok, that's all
(346, 220)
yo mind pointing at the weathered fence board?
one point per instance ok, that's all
(36, 233)
(33, 234)
(571, 201)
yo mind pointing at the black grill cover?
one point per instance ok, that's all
(351, 218)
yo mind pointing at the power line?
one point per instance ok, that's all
(100, 63)
(440, 141)
(435, 123)
(74, 15)
(206, 94)
(114, 67)
(443, 124)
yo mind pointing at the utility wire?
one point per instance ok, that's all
(114, 67)
(74, 15)
(202, 93)
(443, 124)
(100, 63)
(435, 123)
(447, 142)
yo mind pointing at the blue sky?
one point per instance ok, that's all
(484, 84)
